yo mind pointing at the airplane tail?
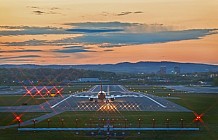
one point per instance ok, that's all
(101, 87)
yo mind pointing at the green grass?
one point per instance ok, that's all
(9, 118)
(118, 119)
(12, 100)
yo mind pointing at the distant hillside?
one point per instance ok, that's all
(126, 67)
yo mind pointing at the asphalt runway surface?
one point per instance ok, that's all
(135, 102)
(124, 101)
(194, 89)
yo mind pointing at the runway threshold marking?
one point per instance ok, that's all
(91, 90)
(61, 101)
(122, 88)
(155, 101)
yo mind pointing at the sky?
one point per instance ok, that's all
(110, 31)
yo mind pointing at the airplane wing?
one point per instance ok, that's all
(86, 96)
(120, 96)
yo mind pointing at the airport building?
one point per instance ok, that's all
(89, 80)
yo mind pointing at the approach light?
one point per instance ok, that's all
(18, 118)
(198, 117)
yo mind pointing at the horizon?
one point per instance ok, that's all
(85, 32)
(115, 63)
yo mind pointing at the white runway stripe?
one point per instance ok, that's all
(61, 101)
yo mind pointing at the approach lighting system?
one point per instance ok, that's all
(43, 91)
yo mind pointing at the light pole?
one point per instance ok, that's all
(49, 122)
(19, 121)
(62, 122)
(153, 123)
(182, 123)
(167, 123)
(139, 122)
(103, 122)
(34, 123)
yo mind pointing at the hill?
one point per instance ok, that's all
(126, 67)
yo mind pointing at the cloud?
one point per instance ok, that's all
(138, 12)
(113, 25)
(128, 13)
(38, 12)
(105, 35)
(124, 13)
(143, 38)
(32, 42)
(73, 49)
(16, 51)
(54, 8)
(28, 30)
(119, 26)
(18, 57)
(35, 42)
(34, 7)
(110, 45)
(94, 30)
(108, 50)
(41, 11)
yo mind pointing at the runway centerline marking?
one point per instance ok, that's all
(61, 101)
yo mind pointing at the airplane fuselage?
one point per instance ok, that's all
(101, 95)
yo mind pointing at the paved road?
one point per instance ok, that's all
(127, 101)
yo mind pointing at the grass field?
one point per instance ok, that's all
(10, 100)
(9, 118)
(205, 104)
(16, 100)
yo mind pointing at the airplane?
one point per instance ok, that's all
(103, 96)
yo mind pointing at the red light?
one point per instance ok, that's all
(198, 117)
(17, 118)
(58, 91)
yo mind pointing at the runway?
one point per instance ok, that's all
(125, 100)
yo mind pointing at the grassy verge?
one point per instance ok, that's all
(9, 118)
(12, 100)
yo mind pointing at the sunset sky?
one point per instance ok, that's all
(108, 31)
